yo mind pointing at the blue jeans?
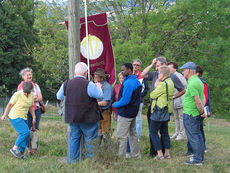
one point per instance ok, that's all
(195, 140)
(20, 125)
(38, 114)
(203, 137)
(90, 131)
(138, 127)
(163, 128)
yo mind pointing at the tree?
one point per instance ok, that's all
(16, 41)
(51, 53)
(192, 30)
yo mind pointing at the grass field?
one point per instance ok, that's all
(53, 148)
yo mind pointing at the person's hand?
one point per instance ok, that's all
(114, 117)
(33, 128)
(3, 118)
(154, 61)
(98, 85)
(203, 115)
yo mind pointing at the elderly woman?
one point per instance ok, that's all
(18, 106)
(159, 96)
(26, 75)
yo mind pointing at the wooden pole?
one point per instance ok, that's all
(73, 34)
(74, 46)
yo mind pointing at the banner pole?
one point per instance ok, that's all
(87, 39)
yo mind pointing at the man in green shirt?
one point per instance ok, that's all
(193, 109)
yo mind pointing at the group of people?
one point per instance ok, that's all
(90, 105)
(24, 113)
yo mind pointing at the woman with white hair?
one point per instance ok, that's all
(27, 75)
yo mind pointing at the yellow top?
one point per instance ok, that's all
(160, 94)
(21, 105)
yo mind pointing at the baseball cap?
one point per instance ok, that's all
(189, 65)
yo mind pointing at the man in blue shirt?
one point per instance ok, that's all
(128, 103)
(105, 103)
(81, 111)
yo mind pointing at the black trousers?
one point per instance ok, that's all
(152, 148)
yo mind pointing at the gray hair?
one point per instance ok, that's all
(162, 59)
(81, 68)
(137, 60)
(23, 71)
(27, 87)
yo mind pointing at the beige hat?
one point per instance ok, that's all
(101, 72)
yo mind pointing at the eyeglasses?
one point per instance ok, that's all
(136, 65)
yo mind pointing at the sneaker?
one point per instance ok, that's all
(188, 155)
(189, 162)
(16, 153)
(179, 137)
(205, 151)
(127, 156)
(174, 136)
(23, 157)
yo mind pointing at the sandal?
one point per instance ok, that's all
(159, 157)
(167, 156)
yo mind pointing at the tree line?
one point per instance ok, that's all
(192, 30)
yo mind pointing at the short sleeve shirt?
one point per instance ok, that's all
(195, 88)
(21, 105)
(107, 94)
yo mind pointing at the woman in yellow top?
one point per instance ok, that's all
(19, 104)
(159, 97)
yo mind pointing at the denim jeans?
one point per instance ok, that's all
(194, 135)
(163, 128)
(20, 125)
(139, 122)
(90, 131)
(138, 126)
(189, 147)
(38, 114)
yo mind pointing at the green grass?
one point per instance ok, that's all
(53, 147)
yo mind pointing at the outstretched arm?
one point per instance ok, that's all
(8, 107)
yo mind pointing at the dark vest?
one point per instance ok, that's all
(79, 107)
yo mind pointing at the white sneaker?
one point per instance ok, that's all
(179, 137)
(127, 156)
(174, 136)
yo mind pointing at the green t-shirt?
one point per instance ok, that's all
(195, 87)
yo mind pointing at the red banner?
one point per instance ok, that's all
(100, 46)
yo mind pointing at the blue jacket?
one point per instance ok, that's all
(129, 97)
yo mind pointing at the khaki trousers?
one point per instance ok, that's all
(178, 116)
(127, 127)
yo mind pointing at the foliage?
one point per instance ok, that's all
(51, 53)
(192, 30)
(17, 39)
